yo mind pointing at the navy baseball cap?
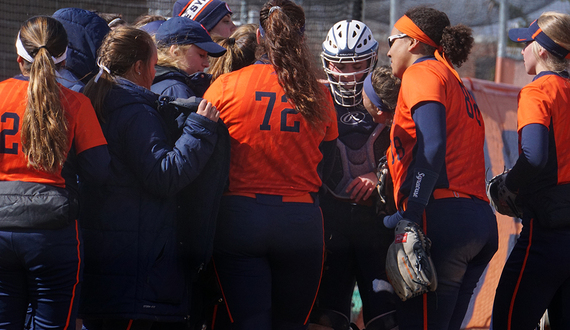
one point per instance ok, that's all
(208, 12)
(535, 33)
(152, 27)
(184, 31)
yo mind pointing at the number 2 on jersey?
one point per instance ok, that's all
(13, 149)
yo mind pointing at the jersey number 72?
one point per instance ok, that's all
(284, 127)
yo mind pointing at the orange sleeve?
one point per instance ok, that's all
(533, 105)
(432, 87)
(87, 131)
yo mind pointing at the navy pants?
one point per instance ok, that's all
(464, 238)
(356, 243)
(268, 256)
(535, 277)
(40, 268)
(123, 324)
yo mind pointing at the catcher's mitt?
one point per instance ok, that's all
(408, 264)
(502, 199)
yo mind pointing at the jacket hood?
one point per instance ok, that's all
(85, 31)
(166, 72)
(198, 82)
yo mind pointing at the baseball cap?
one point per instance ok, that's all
(184, 31)
(208, 12)
(152, 27)
(535, 33)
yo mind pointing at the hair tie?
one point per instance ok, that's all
(101, 69)
(231, 41)
(20, 50)
(272, 9)
(114, 21)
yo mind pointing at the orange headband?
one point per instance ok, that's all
(410, 28)
(407, 26)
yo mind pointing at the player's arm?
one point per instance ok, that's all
(431, 134)
(533, 158)
(326, 165)
(164, 169)
(94, 164)
(328, 145)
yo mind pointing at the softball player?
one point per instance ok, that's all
(41, 249)
(183, 47)
(537, 273)
(268, 251)
(137, 267)
(356, 241)
(437, 164)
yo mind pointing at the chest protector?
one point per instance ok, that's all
(351, 163)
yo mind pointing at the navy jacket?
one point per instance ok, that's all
(174, 82)
(198, 203)
(134, 267)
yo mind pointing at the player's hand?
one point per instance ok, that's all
(209, 111)
(362, 187)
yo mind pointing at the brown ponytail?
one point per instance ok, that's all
(44, 127)
(284, 43)
(241, 47)
(120, 50)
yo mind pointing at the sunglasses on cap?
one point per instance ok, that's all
(393, 38)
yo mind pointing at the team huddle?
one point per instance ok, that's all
(185, 173)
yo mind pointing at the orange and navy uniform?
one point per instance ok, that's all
(464, 167)
(537, 274)
(40, 242)
(438, 170)
(83, 132)
(274, 150)
(545, 102)
(269, 245)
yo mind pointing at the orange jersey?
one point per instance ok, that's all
(464, 167)
(84, 131)
(545, 101)
(274, 150)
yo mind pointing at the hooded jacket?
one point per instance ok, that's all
(85, 32)
(134, 267)
(170, 81)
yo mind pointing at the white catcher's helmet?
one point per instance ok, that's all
(349, 41)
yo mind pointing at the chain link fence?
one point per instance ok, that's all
(321, 15)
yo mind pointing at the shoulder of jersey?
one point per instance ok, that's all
(70, 93)
(424, 68)
(13, 81)
(72, 97)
